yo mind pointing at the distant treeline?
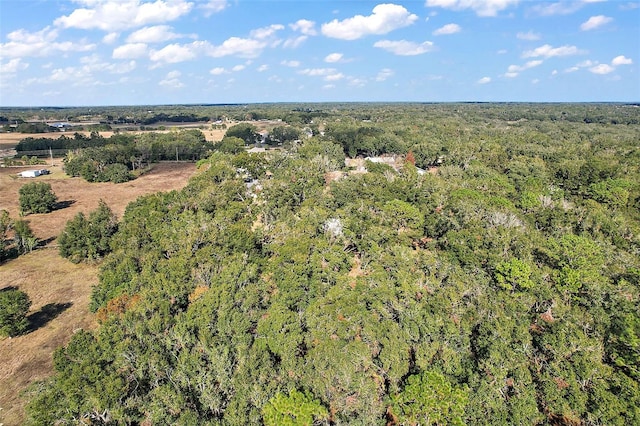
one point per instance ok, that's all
(77, 141)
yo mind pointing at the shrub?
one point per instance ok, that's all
(14, 305)
(88, 239)
(37, 197)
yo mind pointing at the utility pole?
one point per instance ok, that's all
(177, 154)
(51, 156)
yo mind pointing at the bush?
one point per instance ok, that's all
(37, 197)
(116, 173)
(23, 236)
(88, 239)
(14, 305)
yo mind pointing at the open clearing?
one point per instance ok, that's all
(59, 289)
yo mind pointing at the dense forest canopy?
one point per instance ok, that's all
(490, 275)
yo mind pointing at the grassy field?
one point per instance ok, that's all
(58, 289)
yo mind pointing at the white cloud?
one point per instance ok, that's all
(384, 19)
(514, 70)
(292, 64)
(41, 43)
(595, 22)
(213, 6)
(316, 72)
(94, 63)
(630, 6)
(529, 36)
(238, 68)
(384, 74)
(155, 34)
(334, 77)
(294, 42)
(217, 71)
(621, 60)
(263, 68)
(484, 80)
(481, 7)
(357, 82)
(518, 68)
(305, 27)
(548, 51)
(23, 36)
(84, 75)
(266, 32)
(123, 67)
(130, 51)
(448, 29)
(584, 64)
(174, 53)
(241, 47)
(13, 66)
(559, 8)
(333, 57)
(172, 80)
(596, 68)
(114, 15)
(110, 38)
(587, 63)
(602, 69)
(404, 48)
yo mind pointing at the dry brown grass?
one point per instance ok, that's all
(49, 279)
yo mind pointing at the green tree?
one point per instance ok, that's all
(116, 173)
(37, 197)
(283, 134)
(88, 239)
(14, 306)
(429, 399)
(294, 409)
(245, 131)
(5, 225)
(23, 236)
(513, 274)
(230, 145)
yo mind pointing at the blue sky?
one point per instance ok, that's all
(133, 52)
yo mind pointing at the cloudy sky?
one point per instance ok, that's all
(125, 52)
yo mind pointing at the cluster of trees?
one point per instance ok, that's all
(65, 142)
(501, 288)
(16, 236)
(117, 158)
(174, 118)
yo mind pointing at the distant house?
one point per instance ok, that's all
(33, 173)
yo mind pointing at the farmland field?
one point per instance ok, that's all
(58, 288)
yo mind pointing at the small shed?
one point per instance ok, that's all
(33, 173)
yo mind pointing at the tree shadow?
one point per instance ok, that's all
(42, 243)
(9, 288)
(9, 253)
(63, 204)
(47, 313)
